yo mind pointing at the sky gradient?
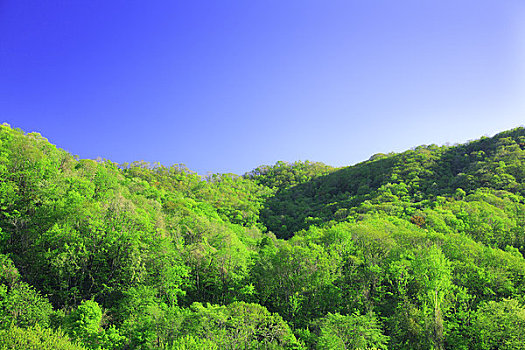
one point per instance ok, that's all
(226, 86)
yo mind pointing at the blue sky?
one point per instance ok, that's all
(226, 86)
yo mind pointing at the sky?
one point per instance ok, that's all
(226, 86)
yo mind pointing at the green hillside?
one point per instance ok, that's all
(415, 250)
(416, 176)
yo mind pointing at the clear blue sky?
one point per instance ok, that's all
(226, 86)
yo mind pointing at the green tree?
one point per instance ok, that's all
(500, 325)
(85, 325)
(433, 273)
(350, 332)
(35, 338)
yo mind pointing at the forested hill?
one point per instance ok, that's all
(416, 250)
(417, 176)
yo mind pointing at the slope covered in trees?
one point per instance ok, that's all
(417, 250)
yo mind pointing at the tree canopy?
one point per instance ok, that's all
(415, 250)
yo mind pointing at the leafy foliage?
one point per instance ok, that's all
(416, 250)
(350, 332)
(35, 338)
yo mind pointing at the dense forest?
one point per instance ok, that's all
(415, 250)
